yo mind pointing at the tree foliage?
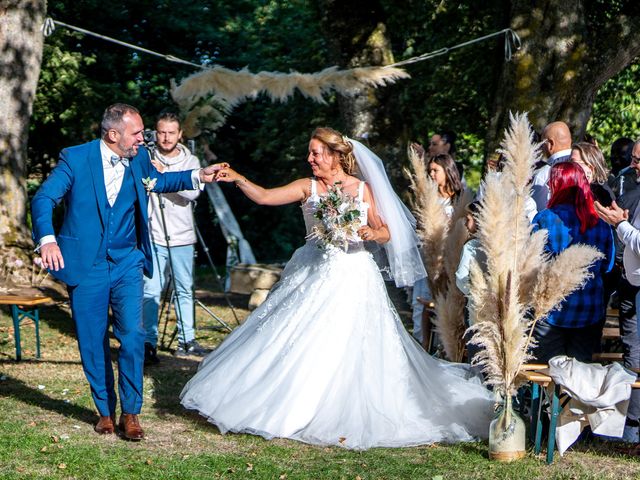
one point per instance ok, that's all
(616, 112)
(267, 142)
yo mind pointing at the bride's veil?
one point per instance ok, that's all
(403, 262)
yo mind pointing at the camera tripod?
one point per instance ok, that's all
(171, 294)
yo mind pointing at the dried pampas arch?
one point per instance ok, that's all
(206, 97)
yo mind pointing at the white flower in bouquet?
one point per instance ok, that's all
(339, 216)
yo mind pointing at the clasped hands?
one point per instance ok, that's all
(210, 173)
(219, 172)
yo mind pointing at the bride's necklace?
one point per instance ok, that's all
(337, 179)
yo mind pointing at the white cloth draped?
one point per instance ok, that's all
(599, 398)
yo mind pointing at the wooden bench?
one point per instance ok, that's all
(610, 333)
(607, 357)
(24, 307)
(539, 381)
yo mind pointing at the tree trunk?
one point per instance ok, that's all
(20, 57)
(569, 49)
(358, 37)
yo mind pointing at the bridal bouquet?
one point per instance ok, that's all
(339, 217)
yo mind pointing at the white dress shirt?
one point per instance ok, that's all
(113, 174)
(539, 188)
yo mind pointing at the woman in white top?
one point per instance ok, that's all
(442, 170)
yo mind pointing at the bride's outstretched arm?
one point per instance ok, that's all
(295, 191)
(376, 230)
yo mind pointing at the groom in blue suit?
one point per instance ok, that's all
(102, 250)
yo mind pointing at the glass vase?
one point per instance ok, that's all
(507, 434)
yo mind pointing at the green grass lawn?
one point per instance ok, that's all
(47, 417)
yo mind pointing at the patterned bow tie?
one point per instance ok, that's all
(115, 159)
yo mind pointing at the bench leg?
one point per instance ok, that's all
(536, 421)
(18, 315)
(15, 314)
(36, 319)
(555, 407)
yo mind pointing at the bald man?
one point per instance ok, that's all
(556, 147)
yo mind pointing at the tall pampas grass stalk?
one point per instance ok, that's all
(432, 220)
(442, 240)
(521, 283)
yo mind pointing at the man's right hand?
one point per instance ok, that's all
(51, 256)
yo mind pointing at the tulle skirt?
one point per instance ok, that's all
(326, 360)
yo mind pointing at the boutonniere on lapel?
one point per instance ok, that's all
(149, 184)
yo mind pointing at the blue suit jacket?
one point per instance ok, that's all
(78, 179)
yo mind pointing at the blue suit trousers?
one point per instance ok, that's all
(119, 286)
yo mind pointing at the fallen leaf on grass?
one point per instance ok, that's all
(62, 466)
(249, 467)
(32, 424)
(43, 449)
(283, 477)
(185, 456)
(231, 470)
(148, 461)
(55, 438)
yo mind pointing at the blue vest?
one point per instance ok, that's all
(120, 237)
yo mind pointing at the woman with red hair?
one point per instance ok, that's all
(574, 329)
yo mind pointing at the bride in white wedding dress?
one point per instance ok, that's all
(325, 359)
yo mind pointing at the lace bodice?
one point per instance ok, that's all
(310, 206)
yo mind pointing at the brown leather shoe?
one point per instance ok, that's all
(130, 427)
(104, 425)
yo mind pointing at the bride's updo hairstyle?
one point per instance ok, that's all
(337, 145)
